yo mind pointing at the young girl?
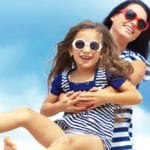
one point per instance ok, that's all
(86, 58)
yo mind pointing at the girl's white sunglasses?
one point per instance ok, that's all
(79, 44)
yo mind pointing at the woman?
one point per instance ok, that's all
(132, 39)
(129, 24)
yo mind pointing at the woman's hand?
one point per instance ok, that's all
(94, 97)
(91, 99)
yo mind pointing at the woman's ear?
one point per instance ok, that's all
(113, 17)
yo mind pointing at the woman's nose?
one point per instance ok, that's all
(134, 23)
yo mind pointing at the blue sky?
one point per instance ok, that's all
(29, 31)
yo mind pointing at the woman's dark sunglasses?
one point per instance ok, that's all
(129, 14)
(79, 44)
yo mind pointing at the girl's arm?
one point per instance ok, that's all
(50, 105)
(66, 103)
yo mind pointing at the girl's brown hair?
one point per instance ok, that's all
(110, 54)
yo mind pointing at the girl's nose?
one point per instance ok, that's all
(86, 49)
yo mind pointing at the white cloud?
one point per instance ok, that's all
(141, 129)
(142, 142)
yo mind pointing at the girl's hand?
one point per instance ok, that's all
(68, 102)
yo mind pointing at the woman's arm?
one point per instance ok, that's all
(127, 94)
(136, 77)
(139, 72)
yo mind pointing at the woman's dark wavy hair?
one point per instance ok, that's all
(141, 44)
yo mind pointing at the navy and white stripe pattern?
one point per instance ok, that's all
(64, 82)
(99, 121)
(122, 137)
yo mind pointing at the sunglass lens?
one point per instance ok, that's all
(141, 24)
(79, 44)
(130, 14)
(94, 46)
